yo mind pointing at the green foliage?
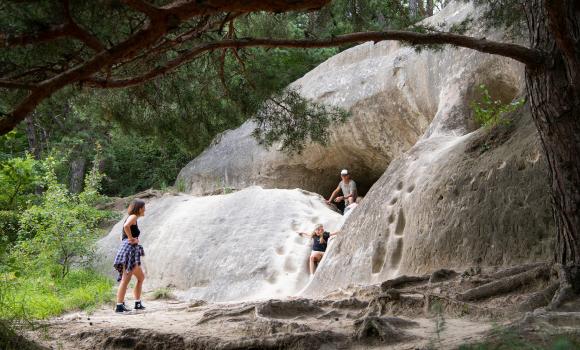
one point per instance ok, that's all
(507, 14)
(437, 311)
(18, 178)
(41, 272)
(162, 293)
(292, 121)
(489, 112)
(33, 296)
(61, 229)
(9, 227)
(506, 339)
(13, 144)
(180, 185)
(134, 163)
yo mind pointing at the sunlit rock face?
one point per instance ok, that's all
(450, 196)
(457, 198)
(228, 247)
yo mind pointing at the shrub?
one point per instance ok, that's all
(18, 179)
(9, 226)
(60, 230)
(489, 112)
(162, 293)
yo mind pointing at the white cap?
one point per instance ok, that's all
(344, 172)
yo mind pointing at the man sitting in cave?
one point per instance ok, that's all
(348, 188)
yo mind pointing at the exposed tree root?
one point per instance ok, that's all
(402, 280)
(442, 275)
(569, 277)
(513, 270)
(505, 284)
(539, 299)
(372, 329)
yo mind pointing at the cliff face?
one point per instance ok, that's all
(444, 194)
(450, 202)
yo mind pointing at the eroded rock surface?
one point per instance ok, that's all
(227, 247)
(451, 197)
(452, 201)
(393, 93)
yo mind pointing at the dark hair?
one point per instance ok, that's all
(135, 206)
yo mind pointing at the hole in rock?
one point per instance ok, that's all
(397, 253)
(378, 258)
(324, 181)
(501, 87)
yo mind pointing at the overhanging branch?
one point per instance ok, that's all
(517, 52)
(10, 84)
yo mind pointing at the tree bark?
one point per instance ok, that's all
(429, 8)
(33, 145)
(414, 8)
(77, 175)
(554, 93)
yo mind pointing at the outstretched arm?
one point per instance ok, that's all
(304, 234)
(333, 195)
(332, 234)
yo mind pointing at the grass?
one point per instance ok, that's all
(42, 297)
(162, 293)
(505, 339)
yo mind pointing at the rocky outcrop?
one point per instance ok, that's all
(452, 196)
(450, 202)
(237, 246)
(392, 92)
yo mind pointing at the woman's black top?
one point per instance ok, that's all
(317, 246)
(134, 231)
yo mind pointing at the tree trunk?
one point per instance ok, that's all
(77, 174)
(33, 145)
(554, 93)
(429, 8)
(414, 8)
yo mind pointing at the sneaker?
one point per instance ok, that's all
(139, 306)
(122, 308)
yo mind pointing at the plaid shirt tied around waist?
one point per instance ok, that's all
(128, 256)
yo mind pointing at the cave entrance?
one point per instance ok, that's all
(328, 180)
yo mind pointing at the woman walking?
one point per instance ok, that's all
(319, 243)
(128, 258)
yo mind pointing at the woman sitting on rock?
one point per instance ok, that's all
(128, 259)
(319, 242)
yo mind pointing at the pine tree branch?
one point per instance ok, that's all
(11, 84)
(144, 7)
(78, 32)
(517, 52)
(169, 16)
(68, 29)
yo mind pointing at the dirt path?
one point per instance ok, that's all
(418, 312)
(172, 324)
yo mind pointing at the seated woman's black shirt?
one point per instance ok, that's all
(317, 246)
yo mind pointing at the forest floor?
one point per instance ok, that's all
(444, 310)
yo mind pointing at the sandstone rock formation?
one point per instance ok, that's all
(228, 247)
(451, 196)
(450, 202)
